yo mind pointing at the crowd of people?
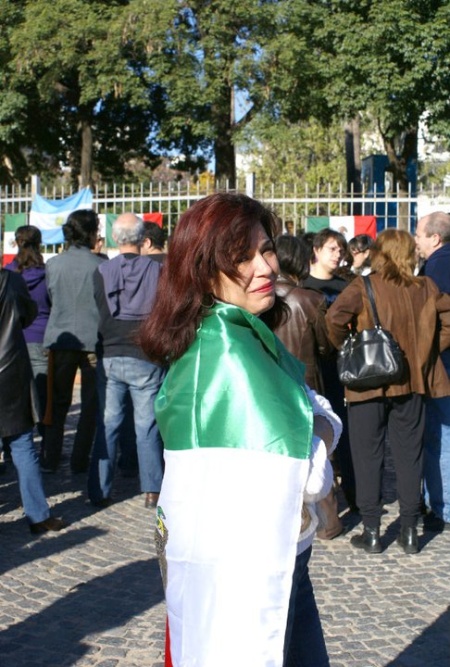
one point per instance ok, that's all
(213, 369)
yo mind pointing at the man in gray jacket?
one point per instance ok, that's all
(71, 336)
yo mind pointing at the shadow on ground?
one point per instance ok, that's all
(55, 635)
(434, 641)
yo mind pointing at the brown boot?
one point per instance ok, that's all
(328, 510)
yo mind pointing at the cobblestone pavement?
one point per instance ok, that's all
(91, 595)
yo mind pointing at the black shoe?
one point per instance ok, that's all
(102, 503)
(434, 523)
(408, 540)
(369, 540)
(48, 524)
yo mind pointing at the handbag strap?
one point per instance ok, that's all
(369, 289)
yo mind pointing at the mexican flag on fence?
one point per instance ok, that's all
(12, 222)
(348, 225)
(50, 215)
(157, 218)
(107, 219)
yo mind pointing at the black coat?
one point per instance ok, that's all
(17, 391)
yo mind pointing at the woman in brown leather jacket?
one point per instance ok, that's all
(304, 333)
(418, 317)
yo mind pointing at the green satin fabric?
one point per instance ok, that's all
(236, 386)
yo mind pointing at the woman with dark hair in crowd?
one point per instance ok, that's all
(237, 424)
(329, 248)
(358, 254)
(418, 317)
(304, 333)
(305, 336)
(30, 263)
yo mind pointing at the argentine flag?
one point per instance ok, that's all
(50, 215)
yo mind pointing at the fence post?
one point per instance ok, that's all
(35, 185)
(250, 185)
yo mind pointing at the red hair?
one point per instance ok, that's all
(212, 236)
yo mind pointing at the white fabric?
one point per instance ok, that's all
(321, 472)
(233, 519)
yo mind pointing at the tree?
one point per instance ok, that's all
(72, 51)
(15, 105)
(382, 57)
(203, 53)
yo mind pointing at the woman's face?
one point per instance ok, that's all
(255, 288)
(359, 257)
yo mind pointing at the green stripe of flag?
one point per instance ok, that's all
(110, 217)
(14, 220)
(316, 223)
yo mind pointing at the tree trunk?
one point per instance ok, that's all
(224, 151)
(398, 162)
(86, 153)
(353, 162)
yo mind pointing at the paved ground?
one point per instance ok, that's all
(92, 596)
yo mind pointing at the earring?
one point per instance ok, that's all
(209, 305)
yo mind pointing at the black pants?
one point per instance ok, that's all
(402, 419)
(334, 392)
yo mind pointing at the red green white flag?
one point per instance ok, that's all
(12, 222)
(348, 225)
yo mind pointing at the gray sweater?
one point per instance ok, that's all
(73, 321)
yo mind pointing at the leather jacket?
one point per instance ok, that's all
(304, 333)
(18, 400)
(417, 316)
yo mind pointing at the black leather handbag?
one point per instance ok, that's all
(371, 358)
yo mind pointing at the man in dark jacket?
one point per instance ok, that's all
(17, 402)
(433, 245)
(125, 289)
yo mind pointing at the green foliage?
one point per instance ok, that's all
(432, 174)
(201, 53)
(389, 58)
(71, 57)
(101, 84)
(306, 153)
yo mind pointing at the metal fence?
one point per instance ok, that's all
(291, 203)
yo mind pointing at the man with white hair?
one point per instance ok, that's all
(125, 289)
(433, 245)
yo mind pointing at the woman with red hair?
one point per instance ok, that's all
(237, 425)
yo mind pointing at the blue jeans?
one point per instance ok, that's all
(437, 456)
(116, 377)
(26, 462)
(304, 645)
